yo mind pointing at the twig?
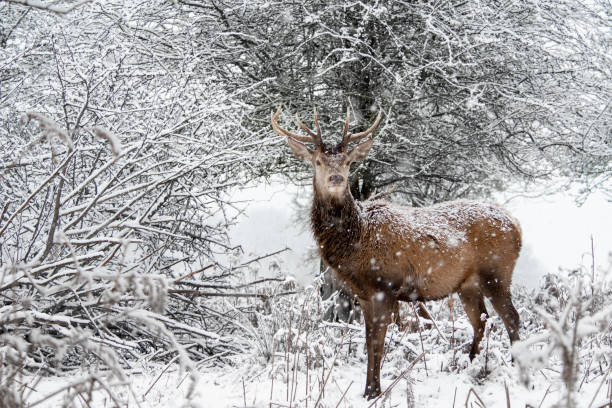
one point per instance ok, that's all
(603, 380)
(390, 387)
(343, 394)
(586, 374)
(238, 295)
(190, 274)
(433, 321)
(159, 376)
(38, 189)
(84, 400)
(487, 350)
(467, 399)
(451, 304)
(4, 210)
(243, 393)
(234, 287)
(331, 368)
(296, 356)
(383, 193)
(420, 336)
(507, 395)
(259, 258)
(545, 394)
(62, 389)
(49, 7)
(592, 268)
(271, 388)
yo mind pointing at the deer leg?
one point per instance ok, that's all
(377, 314)
(397, 318)
(498, 290)
(502, 303)
(371, 375)
(474, 306)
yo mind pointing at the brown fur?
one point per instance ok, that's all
(386, 253)
(384, 260)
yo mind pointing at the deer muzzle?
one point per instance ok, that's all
(336, 180)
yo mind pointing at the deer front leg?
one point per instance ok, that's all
(372, 388)
(377, 312)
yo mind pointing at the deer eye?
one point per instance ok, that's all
(348, 162)
(318, 163)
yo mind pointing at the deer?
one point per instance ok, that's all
(386, 253)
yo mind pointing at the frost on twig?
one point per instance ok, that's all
(49, 128)
(110, 138)
(50, 6)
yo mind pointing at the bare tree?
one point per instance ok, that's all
(475, 93)
(120, 147)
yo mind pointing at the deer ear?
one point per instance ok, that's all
(300, 150)
(360, 151)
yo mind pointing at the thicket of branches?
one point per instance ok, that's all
(120, 147)
(124, 126)
(476, 94)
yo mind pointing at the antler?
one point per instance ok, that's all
(314, 138)
(348, 137)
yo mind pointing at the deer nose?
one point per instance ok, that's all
(336, 179)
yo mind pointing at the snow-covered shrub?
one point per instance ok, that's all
(117, 155)
(570, 325)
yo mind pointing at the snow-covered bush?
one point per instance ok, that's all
(119, 145)
(570, 325)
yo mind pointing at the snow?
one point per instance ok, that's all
(98, 226)
(262, 386)
(444, 377)
(269, 223)
(557, 233)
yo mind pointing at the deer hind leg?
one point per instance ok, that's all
(499, 293)
(397, 318)
(502, 303)
(474, 306)
(377, 314)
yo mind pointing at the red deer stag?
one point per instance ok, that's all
(387, 253)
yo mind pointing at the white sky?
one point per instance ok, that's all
(556, 232)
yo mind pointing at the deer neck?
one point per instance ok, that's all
(336, 226)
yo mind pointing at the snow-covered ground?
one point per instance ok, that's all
(249, 383)
(556, 234)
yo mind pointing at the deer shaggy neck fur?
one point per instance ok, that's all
(336, 227)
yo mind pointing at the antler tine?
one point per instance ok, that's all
(316, 137)
(345, 133)
(303, 126)
(316, 121)
(358, 136)
(283, 132)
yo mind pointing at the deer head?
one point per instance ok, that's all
(331, 164)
